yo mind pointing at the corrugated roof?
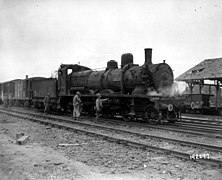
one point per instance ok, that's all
(207, 69)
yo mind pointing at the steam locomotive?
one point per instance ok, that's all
(134, 92)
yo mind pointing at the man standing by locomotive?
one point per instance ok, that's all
(46, 103)
(99, 105)
(76, 105)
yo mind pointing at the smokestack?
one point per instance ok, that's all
(148, 56)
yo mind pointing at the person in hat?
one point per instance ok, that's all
(99, 105)
(46, 102)
(76, 105)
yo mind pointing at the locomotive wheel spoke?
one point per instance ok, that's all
(152, 115)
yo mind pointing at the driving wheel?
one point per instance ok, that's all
(152, 115)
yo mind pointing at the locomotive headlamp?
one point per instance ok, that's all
(192, 105)
(170, 107)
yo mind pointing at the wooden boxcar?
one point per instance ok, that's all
(41, 87)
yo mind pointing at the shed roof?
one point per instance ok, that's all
(210, 69)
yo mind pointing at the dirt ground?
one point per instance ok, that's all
(34, 160)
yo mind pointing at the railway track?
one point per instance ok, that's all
(110, 134)
(197, 127)
(178, 128)
(196, 120)
(201, 124)
(204, 129)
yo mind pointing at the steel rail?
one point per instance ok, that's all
(201, 120)
(206, 128)
(202, 117)
(207, 125)
(124, 141)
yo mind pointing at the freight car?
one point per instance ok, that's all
(134, 92)
(1, 94)
(200, 104)
(39, 88)
(7, 92)
(29, 92)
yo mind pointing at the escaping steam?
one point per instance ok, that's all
(176, 89)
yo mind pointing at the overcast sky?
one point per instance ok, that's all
(36, 36)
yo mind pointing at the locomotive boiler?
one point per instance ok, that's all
(129, 87)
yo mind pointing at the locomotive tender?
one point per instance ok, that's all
(134, 91)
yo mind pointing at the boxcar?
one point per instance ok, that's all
(40, 87)
(7, 92)
(20, 97)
